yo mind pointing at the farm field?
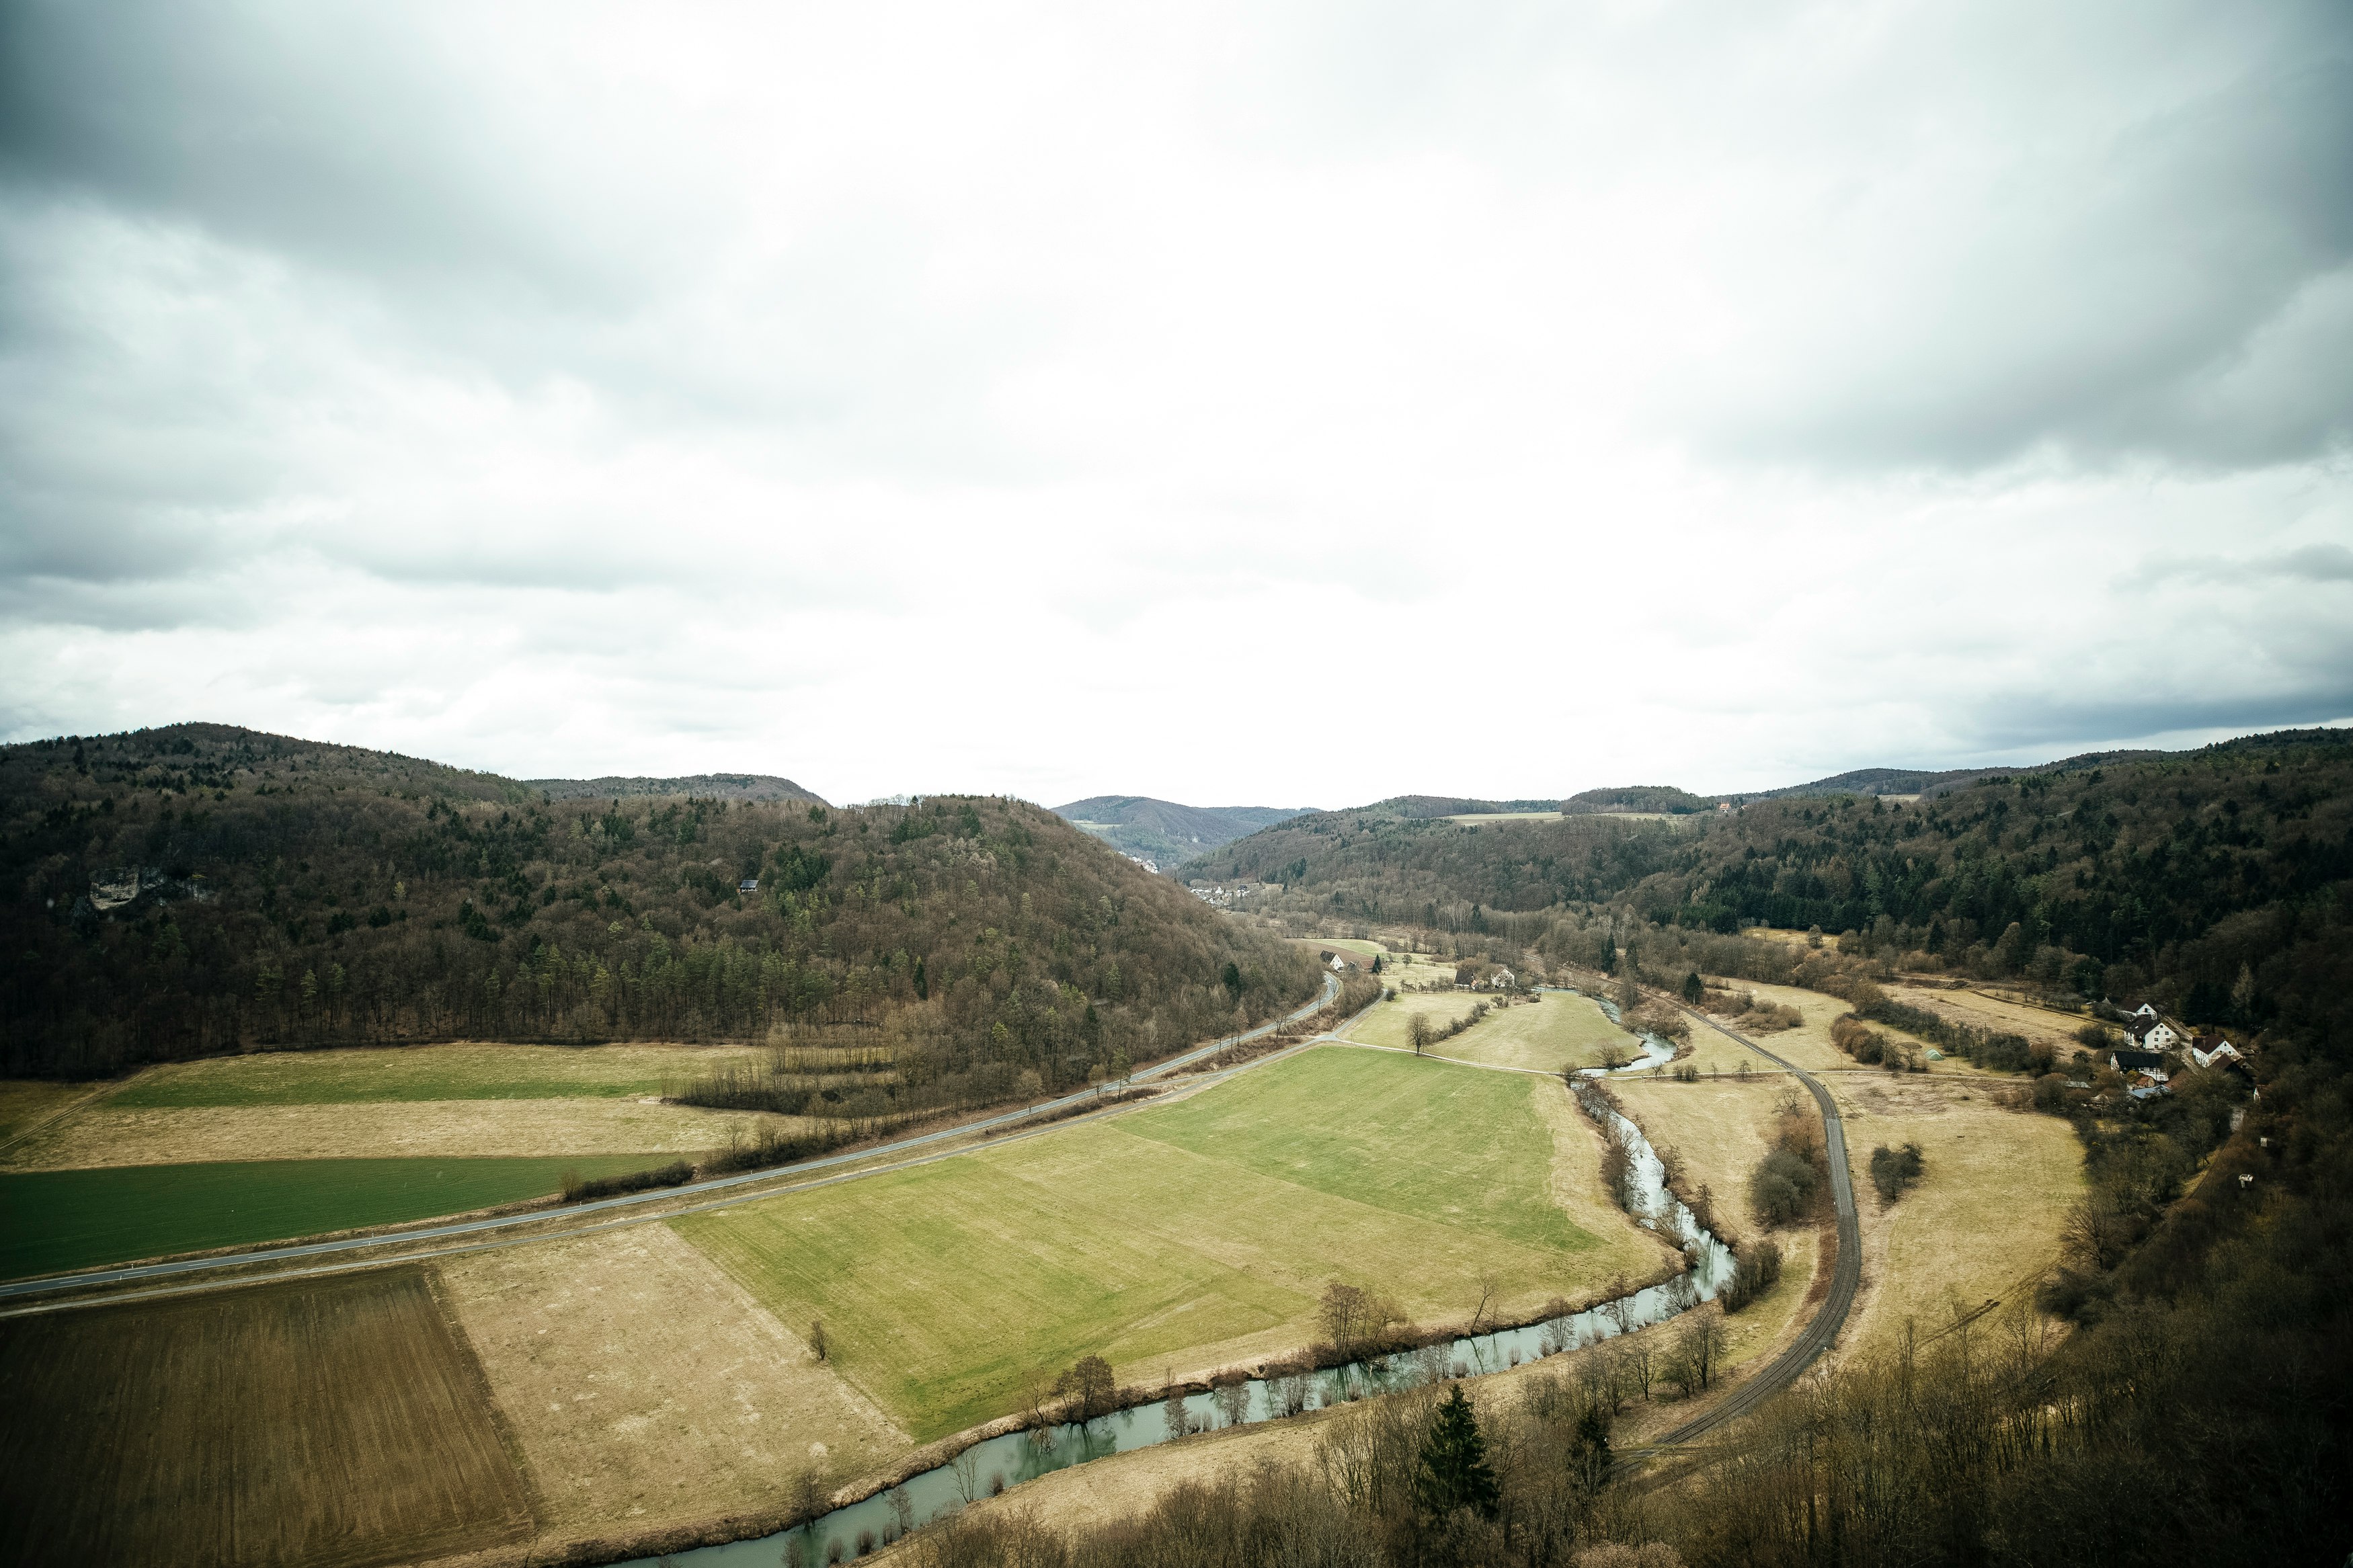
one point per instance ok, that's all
(1980, 1011)
(407, 1073)
(1540, 1036)
(644, 1385)
(1185, 1236)
(1360, 946)
(52, 1220)
(335, 1422)
(97, 1134)
(1984, 1221)
(24, 1102)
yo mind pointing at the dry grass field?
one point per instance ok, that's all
(1542, 1036)
(97, 1133)
(26, 1103)
(335, 1424)
(460, 1070)
(1982, 1012)
(1185, 1236)
(1722, 1127)
(1984, 1221)
(1809, 1045)
(1356, 947)
(644, 1385)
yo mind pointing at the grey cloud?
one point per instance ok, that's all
(2048, 725)
(333, 132)
(2311, 563)
(2186, 290)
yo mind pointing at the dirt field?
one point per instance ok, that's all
(644, 1385)
(1984, 1221)
(1185, 1236)
(99, 1133)
(336, 1423)
(1542, 1036)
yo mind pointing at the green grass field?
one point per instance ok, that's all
(1186, 1236)
(1541, 1036)
(77, 1219)
(420, 1073)
(1339, 1122)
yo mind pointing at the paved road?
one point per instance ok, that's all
(1846, 1278)
(786, 1179)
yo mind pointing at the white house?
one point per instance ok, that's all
(1501, 980)
(2151, 1033)
(2222, 1053)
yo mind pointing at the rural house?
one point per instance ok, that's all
(2151, 1033)
(2213, 1050)
(2129, 1062)
(748, 885)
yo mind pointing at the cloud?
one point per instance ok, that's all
(2308, 563)
(1065, 400)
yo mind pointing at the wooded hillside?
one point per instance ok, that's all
(2219, 881)
(199, 890)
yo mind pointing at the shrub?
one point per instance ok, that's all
(677, 1173)
(1784, 1187)
(1893, 1170)
(1756, 1270)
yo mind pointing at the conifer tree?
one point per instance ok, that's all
(1454, 1473)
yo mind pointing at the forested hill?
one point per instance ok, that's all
(702, 786)
(1164, 831)
(199, 888)
(2207, 876)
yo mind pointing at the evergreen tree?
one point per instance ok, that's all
(1694, 988)
(1454, 1472)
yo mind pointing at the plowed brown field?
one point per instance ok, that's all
(339, 1423)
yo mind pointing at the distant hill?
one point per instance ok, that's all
(1417, 807)
(1401, 858)
(1164, 831)
(1636, 797)
(702, 786)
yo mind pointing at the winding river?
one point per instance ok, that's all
(997, 1463)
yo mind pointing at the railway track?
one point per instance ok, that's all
(1846, 1276)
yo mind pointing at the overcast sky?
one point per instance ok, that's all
(1279, 404)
